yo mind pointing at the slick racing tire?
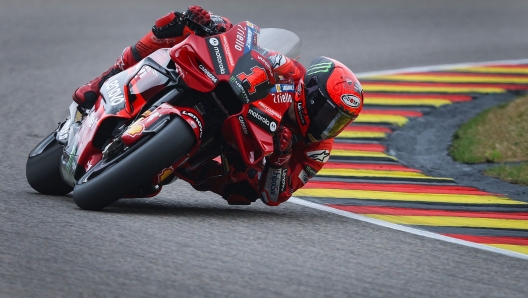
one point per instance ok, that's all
(43, 168)
(160, 151)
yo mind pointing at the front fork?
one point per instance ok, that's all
(65, 136)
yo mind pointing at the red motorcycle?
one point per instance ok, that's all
(174, 111)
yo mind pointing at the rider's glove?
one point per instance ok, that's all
(218, 28)
(282, 146)
(275, 179)
(196, 14)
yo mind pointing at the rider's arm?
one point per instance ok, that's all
(284, 66)
(170, 30)
(279, 183)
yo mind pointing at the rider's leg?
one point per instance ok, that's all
(167, 32)
(86, 95)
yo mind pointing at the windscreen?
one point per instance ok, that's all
(147, 83)
(282, 41)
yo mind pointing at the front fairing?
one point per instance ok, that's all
(122, 98)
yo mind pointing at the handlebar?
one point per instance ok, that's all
(207, 30)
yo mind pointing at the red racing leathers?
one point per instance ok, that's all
(283, 173)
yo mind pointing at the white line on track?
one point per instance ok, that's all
(406, 228)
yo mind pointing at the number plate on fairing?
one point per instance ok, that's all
(252, 77)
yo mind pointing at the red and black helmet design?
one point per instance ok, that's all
(333, 98)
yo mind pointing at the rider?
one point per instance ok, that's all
(327, 98)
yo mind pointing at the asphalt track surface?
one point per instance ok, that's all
(189, 244)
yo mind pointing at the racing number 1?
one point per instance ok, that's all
(256, 77)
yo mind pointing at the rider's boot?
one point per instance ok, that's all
(86, 95)
(209, 177)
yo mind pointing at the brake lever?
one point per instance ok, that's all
(207, 30)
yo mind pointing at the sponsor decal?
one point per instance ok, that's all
(300, 113)
(282, 160)
(71, 166)
(208, 73)
(249, 40)
(277, 60)
(269, 110)
(323, 67)
(283, 88)
(196, 119)
(273, 126)
(217, 52)
(251, 25)
(304, 177)
(261, 119)
(351, 100)
(273, 184)
(276, 183)
(229, 55)
(265, 62)
(114, 92)
(165, 174)
(257, 77)
(310, 171)
(242, 93)
(152, 116)
(240, 38)
(179, 70)
(319, 155)
(135, 130)
(157, 40)
(243, 124)
(214, 42)
(283, 180)
(282, 97)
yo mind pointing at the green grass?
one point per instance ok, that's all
(499, 134)
(510, 173)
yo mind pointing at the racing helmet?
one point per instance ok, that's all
(333, 98)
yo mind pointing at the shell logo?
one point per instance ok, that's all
(165, 174)
(135, 130)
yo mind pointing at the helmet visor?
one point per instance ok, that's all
(328, 122)
(326, 119)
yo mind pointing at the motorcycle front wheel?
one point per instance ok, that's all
(95, 192)
(43, 168)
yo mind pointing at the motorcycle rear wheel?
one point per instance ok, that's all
(43, 168)
(164, 148)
